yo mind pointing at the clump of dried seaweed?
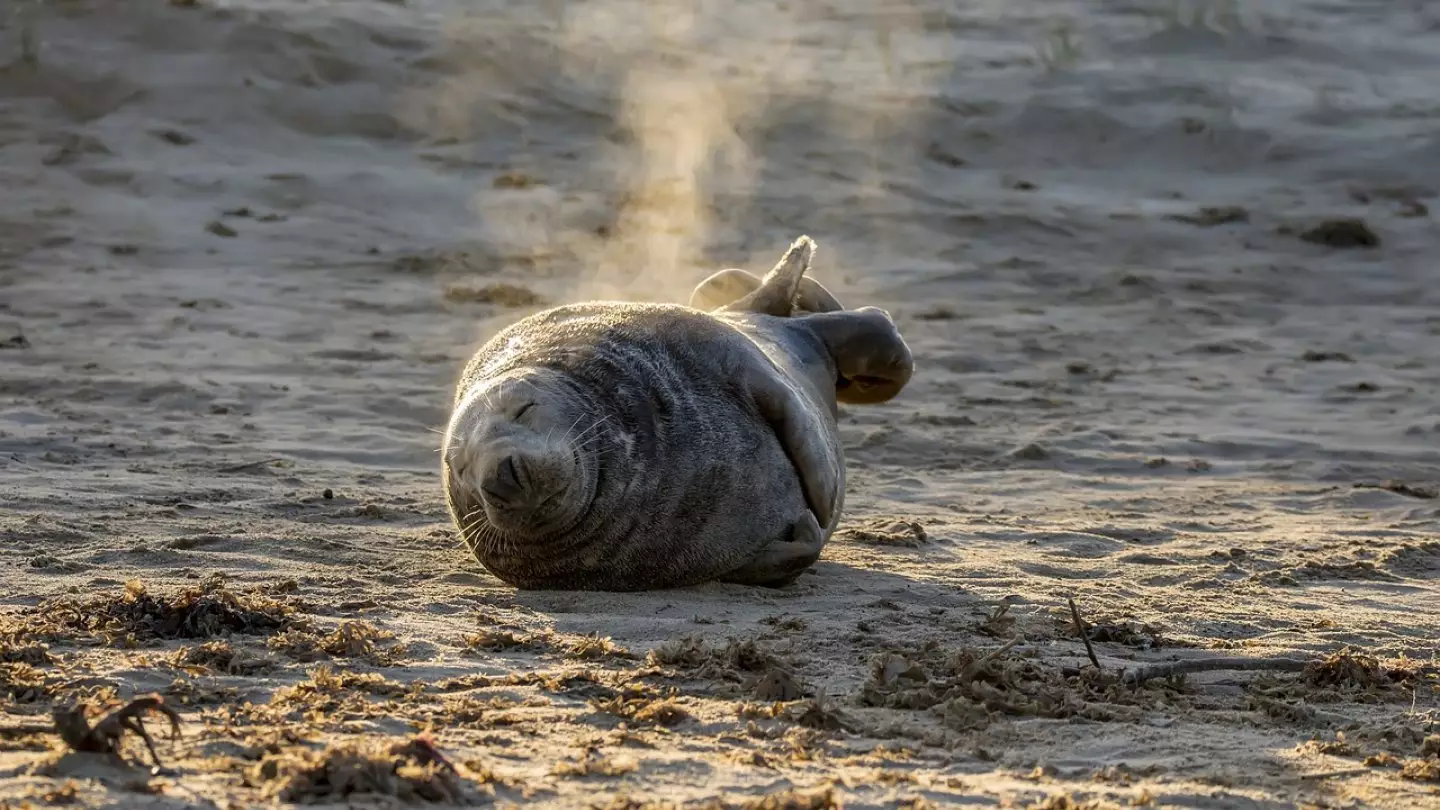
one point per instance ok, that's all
(351, 639)
(1355, 670)
(325, 682)
(23, 683)
(795, 799)
(195, 692)
(136, 615)
(219, 657)
(1422, 770)
(1122, 631)
(1349, 674)
(496, 640)
(968, 686)
(411, 771)
(595, 646)
(15, 649)
(730, 662)
(1064, 801)
(639, 704)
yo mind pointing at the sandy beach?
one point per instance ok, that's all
(1167, 270)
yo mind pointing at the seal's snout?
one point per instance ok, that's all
(504, 483)
(512, 465)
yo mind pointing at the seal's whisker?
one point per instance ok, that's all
(568, 430)
(598, 422)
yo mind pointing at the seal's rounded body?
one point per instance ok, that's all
(620, 446)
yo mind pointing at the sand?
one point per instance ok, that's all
(245, 248)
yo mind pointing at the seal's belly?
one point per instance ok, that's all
(704, 502)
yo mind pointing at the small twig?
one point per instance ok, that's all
(1167, 670)
(1084, 636)
(1335, 773)
(247, 465)
(980, 662)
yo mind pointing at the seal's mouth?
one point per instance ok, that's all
(548, 503)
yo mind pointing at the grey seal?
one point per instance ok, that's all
(626, 446)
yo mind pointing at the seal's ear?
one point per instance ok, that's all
(777, 291)
(728, 286)
(872, 361)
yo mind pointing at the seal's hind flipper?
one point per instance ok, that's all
(722, 288)
(871, 358)
(725, 287)
(777, 291)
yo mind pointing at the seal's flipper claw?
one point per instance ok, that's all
(777, 291)
(783, 561)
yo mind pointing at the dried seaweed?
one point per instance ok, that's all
(219, 657)
(411, 771)
(968, 686)
(23, 683)
(351, 639)
(136, 615)
(730, 662)
(638, 704)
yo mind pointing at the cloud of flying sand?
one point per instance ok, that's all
(677, 108)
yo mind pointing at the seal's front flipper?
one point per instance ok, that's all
(783, 561)
(806, 440)
(871, 358)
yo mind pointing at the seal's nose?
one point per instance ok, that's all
(504, 484)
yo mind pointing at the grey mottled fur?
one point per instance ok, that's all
(706, 441)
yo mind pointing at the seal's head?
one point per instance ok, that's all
(514, 458)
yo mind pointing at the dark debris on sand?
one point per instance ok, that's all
(1348, 232)
(136, 615)
(411, 771)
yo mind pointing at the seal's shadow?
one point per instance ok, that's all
(829, 594)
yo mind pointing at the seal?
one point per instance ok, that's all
(624, 446)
